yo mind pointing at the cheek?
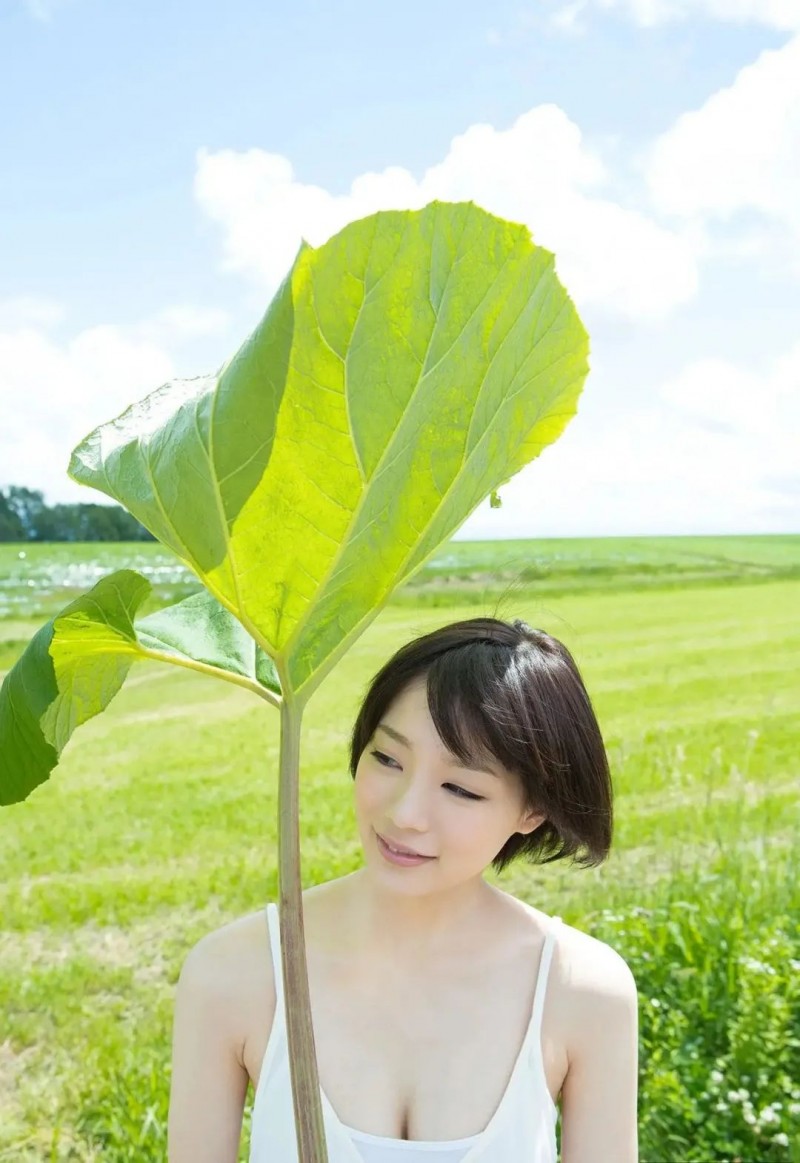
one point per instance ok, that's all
(368, 792)
(472, 826)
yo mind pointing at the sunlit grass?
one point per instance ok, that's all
(161, 823)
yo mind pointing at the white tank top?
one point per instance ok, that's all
(522, 1129)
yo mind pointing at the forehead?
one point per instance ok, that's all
(411, 705)
(408, 716)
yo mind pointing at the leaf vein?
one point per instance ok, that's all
(209, 451)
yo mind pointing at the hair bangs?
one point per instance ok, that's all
(460, 689)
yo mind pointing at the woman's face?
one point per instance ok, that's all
(415, 794)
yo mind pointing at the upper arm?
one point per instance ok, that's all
(600, 1092)
(209, 1081)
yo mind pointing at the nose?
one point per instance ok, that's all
(411, 809)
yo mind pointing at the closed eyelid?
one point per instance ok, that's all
(450, 760)
(462, 792)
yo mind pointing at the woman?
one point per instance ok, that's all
(449, 1016)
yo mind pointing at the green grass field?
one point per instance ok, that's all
(161, 824)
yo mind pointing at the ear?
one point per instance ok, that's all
(530, 823)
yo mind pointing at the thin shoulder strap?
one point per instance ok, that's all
(544, 971)
(273, 931)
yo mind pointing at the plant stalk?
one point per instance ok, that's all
(311, 1143)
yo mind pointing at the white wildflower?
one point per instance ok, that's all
(756, 965)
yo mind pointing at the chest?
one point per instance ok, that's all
(428, 1057)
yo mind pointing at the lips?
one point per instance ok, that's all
(400, 848)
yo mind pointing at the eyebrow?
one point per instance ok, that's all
(454, 762)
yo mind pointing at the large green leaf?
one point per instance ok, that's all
(74, 666)
(403, 371)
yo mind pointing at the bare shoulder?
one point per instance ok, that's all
(600, 1013)
(592, 968)
(591, 982)
(583, 965)
(228, 950)
(598, 992)
(232, 968)
(590, 971)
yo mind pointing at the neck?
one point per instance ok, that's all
(402, 927)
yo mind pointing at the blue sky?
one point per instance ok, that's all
(159, 163)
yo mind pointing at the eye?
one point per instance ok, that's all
(381, 758)
(461, 792)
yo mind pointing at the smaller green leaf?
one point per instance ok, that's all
(200, 633)
(76, 664)
(26, 758)
(92, 649)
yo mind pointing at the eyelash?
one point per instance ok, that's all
(458, 791)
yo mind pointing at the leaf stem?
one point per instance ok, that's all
(306, 1097)
(216, 672)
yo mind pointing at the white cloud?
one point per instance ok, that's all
(29, 311)
(52, 393)
(739, 152)
(567, 19)
(540, 172)
(713, 450)
(763, 406)
(783, 15)
(174, 324)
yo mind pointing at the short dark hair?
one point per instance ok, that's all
(504, 690)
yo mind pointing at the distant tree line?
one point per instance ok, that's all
(24, 516)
